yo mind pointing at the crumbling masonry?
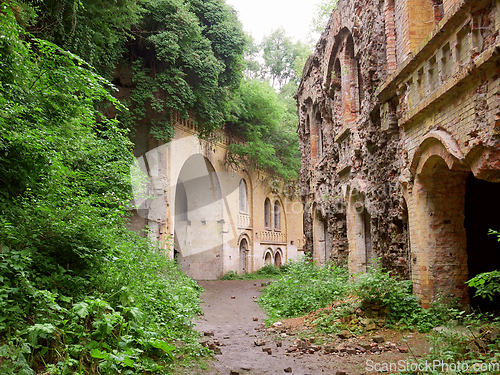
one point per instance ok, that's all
(399, 129)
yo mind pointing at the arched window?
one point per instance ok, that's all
(243, 196)
(267, 213)
(277, 215)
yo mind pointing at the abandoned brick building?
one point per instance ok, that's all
(399, 133)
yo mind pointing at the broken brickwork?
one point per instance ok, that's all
(399, 115)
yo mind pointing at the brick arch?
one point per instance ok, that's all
(437, 144)
(484, 163)
(436, 219)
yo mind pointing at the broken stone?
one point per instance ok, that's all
(351, 351)
(283, 335)
(208, 333)
(361, 349)
(344, 335)
(277, 324)
(267, 350)
(215, 349)
(233, 297)
(378, 339)
(259, 342)
(226, 337)
(288, 369)
(234, 372)
(371, 327)
(403, 350)
(364, 345)
(341, 373)
(279, 344)
(303, 345)
(330, 349)
(291, 349)
(255, 319)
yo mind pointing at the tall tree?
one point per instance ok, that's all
(322, 14)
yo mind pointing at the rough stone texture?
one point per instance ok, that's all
(399, 112)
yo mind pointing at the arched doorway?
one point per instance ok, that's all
(198, 217)
(243, 256)
(268, 258)
(277, 258)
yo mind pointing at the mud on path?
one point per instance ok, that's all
(229, 311)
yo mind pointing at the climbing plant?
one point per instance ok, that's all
(186, 57)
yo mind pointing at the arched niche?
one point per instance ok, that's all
(342, 75)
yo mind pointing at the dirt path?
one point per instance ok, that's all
(231, 320)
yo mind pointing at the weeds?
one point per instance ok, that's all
(269, 271)
(369, 298)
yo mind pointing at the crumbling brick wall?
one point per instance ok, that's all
(398, 108)
(369, 155)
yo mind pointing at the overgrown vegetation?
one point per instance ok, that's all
(306, 287)
(79, 293)
(269, 271)
(487, 284)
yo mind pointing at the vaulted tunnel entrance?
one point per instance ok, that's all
(482, 213)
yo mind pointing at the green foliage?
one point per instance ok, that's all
(379, 288)
(487, 284)
(283, 59)
(259, 115)
(475, 345)
(323, 12)
(79, 293)
(269, 271)
(303, 288)
(187, 57)
(96, 30)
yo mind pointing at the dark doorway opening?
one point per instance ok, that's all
(482, 213)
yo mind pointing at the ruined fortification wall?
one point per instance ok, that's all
(356, 169)
(399, 117)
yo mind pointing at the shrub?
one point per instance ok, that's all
(303, 288)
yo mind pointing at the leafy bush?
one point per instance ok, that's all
(269, 271)
(487, 284)
(306, 287)
(303, 288)
(79, 293)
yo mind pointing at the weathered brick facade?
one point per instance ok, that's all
(399, 128)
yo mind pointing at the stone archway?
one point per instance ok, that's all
(436, 204)
(198, 217)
